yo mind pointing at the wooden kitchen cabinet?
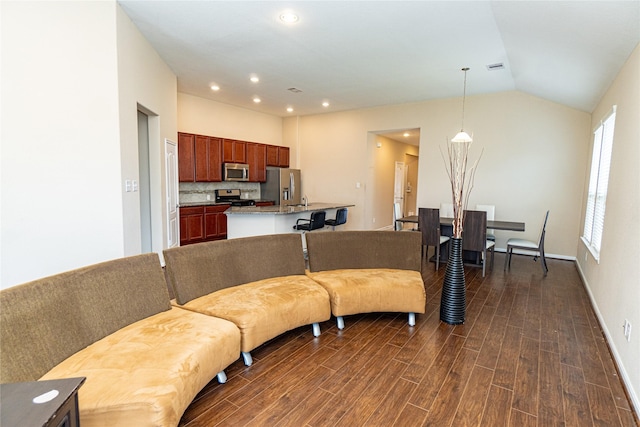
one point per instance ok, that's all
(208, 157)
(234, 151)
(215, 222)
(199, 158)
(283, 157)
(186, 157)
(191, 225)
(277, 156)
(257, 160)
(202, 224)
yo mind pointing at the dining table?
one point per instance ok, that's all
(446, 226)
(491, 224)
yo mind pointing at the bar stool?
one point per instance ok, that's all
(341, 218)
(315, 222)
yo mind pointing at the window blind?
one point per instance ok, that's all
(598, 184)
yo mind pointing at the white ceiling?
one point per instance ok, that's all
(360, 54)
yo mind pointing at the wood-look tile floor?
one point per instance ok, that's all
(531, 353)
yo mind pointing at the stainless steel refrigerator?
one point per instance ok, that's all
(283, 186)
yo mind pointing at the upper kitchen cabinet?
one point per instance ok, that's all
(234, 151)
(257, 161)
(199, 158)
(186, 157)
(208, 159)
(283, 157)
(277, 156)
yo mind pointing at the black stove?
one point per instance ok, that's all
(232, 197)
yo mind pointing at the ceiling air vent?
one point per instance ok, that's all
(294, 90)
(497, 66)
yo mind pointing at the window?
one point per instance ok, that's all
(598, 183)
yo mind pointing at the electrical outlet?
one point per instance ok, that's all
(627, 330)
(373, 220)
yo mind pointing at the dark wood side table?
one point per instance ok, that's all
(18, 409)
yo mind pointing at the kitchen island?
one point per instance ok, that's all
(245, 221)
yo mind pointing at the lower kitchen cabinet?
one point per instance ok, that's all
(215, 222)
(202, 224)
(191, 225)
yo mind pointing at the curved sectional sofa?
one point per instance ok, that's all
(146, 356)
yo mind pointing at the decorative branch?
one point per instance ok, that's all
(461, 179)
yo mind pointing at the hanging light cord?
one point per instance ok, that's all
(464, 95)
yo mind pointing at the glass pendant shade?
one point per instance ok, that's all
(462, 136)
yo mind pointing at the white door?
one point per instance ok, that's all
(398, 186)
(173, 219)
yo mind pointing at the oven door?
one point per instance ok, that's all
(235, 172)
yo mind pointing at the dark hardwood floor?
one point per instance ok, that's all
(531, 353)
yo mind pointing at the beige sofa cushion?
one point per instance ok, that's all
(45, 321)
(372, 290)
(266, 308)
(197, 270)
(147, 373)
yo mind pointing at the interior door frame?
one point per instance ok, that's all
(172, 193)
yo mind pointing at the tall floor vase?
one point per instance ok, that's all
(454, 294)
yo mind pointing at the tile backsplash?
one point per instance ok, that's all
(197, 191)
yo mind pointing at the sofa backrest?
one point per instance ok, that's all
(364, 249)
(197, 270)
(45, 321)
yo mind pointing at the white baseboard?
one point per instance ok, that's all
(616, 356)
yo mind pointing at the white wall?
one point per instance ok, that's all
(73, 74)
(205, 117)
(614, 283)
(61, 199)
(534, 159)
(144, 81)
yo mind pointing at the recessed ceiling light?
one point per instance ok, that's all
(215, 87)
(256, 100)
(288, 17)
(406, 134)
(289, 109)
(325, 104)
(254, 78)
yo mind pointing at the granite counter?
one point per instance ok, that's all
(245, 221)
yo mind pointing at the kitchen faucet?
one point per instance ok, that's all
(306, 201)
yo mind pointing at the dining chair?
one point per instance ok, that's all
(429, 226)
(538, 247)
(474, 236)
(446, 210)
(491, 215)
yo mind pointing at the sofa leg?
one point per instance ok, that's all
(222, 377)
(412, 319)
(316, 329)
(340, 321)
(248, 360)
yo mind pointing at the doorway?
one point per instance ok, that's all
(144, 179)
(392, 177)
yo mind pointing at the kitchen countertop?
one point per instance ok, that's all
(212, 203)
(284, 210)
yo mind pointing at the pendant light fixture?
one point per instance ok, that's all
(462, 136)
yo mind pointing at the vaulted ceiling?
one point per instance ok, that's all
(360, 54)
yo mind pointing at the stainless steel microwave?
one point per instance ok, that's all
(235, 172)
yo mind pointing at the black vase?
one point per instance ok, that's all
(453, 301)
